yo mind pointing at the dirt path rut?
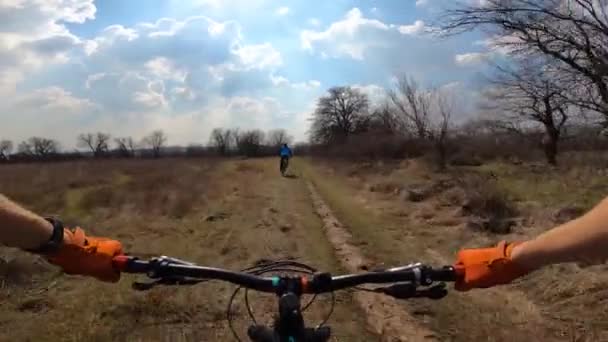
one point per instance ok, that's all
(383, 314)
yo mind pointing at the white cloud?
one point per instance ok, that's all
(116, 32)
(37, 18)
(165, 68)
(471, 58)
(152, 97)
(500, 44)
(52, 99)
(494, 46)
(416, 28)
(183, 92)
(344, 35)
(374, 92)
(33, 34)
(354, 35)
(280, 81)
(50, 112)
(421, 3)
(313, 84)
(259, 56)
(92, 78)
(282, 10)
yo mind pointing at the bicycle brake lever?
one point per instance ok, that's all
(434, 292)
(399, 291)
(409, 290)
(144, 286)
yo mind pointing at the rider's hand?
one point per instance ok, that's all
(86, 255)
(486, 267)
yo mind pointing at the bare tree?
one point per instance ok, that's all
(6, 147)
(249, 143)
(222, 140)
(38, 147)
(44, 147)
(413, 105)
(384, 120)
(278, 137)
(125, 146)
(439, 126)
(98, 143)
(340, 113)
(155, 141)
(25, 148)
(573, 33)
(531, 92)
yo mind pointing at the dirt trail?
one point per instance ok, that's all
(280, 210)
(382, 313)
(272, 217)
(432, 231)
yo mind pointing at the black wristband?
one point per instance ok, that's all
(54, 242)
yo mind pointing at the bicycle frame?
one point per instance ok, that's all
(289, 325)
(284, 165)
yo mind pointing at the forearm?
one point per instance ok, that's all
(20, 227)
(582, 240)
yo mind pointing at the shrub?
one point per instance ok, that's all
(97, 197)
(484, 199)
(491, 209)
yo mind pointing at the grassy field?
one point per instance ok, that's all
(161, 207)
(232, 213)
(559, 303)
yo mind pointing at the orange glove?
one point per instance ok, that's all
(85, 255)
(486, 267)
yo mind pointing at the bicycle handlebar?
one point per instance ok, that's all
(165, 267)
(289, 324)
(169, 267)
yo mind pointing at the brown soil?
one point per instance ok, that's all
(386, 317)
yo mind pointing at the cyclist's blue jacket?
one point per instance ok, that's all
(286, 152)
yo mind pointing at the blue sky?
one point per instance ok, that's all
(129, 67)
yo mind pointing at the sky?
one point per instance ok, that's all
(128, 67)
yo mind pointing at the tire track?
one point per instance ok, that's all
(383, 314)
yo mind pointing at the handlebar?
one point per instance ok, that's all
(410, 281)
(165, 267)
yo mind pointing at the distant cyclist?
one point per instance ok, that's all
(285, 155)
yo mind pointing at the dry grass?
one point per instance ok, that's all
(159, 207)
(483, 198)
(560, 303)
(581, 184)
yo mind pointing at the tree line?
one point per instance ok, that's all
(548, 87)
(223, 142)
(409, 110)
(97, 144)
(250, 143)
